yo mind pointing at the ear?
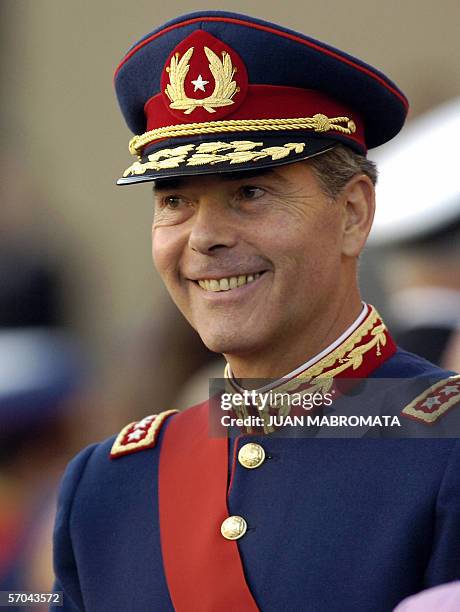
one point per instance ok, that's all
(358, 202)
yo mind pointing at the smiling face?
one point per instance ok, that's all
(255, 262)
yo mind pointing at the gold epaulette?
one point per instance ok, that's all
(430, 405)
(139, 435)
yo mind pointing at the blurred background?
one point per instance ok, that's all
(88, 338)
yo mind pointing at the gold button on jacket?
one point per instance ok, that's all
(233, 528)
(251, 455)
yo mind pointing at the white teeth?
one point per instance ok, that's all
(225, 284)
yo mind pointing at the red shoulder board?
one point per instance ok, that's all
(435, 401)
(139, 435)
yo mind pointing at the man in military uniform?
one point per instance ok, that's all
(255, 137)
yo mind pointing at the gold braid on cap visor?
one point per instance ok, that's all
(317, 123)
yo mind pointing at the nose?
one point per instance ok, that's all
(213, 228)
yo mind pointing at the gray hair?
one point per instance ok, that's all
(336, 167)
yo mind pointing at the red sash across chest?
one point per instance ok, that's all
(203, 570)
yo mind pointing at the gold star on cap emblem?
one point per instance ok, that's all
(199, 83)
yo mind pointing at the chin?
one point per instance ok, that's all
(226, 342)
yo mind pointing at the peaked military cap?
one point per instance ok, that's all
(217, 92)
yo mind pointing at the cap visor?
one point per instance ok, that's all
(204, 156)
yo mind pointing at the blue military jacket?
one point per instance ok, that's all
(333, 524)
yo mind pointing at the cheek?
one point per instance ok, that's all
(309, 251)
(307, 233)
(167, 248)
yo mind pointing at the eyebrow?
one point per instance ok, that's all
(240, 175)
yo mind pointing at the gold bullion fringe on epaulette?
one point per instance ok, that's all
(317, 123)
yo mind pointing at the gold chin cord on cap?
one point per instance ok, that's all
(317, 123)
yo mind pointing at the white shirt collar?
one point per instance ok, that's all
(356, 323)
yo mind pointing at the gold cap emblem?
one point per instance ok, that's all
(203, 77)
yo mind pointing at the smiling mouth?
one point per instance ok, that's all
(228, 283)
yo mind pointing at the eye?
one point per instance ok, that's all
(250, 192)
(171, 208)
(172, 202)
